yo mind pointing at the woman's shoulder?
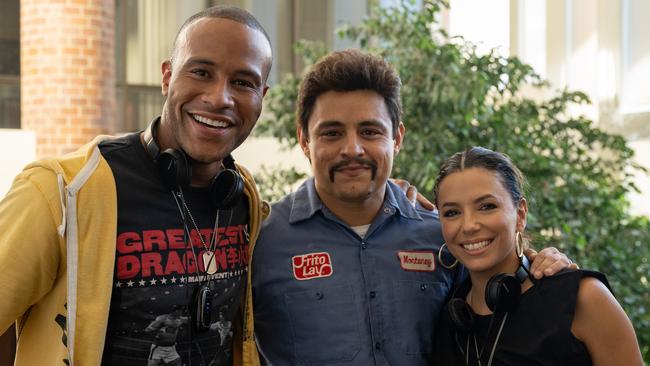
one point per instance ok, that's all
(562, 290)
(573, 278)
(594, 289)
(601, 323)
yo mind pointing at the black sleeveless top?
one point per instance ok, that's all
(537, 332)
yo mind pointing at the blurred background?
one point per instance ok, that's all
(72, 69)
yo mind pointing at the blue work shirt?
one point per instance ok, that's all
(322, 294)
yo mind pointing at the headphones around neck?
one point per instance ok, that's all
(175, 170)
(502, 294)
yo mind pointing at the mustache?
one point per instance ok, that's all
(356, 160)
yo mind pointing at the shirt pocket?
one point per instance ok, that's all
(418, 307)
(325, 324)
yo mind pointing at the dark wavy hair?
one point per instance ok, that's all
(349, 70)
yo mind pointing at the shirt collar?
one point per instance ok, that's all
(306, 202)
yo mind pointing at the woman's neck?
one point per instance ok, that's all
(476, 295)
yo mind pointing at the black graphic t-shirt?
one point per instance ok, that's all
(160, 268)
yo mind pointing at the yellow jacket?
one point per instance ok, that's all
(57, 255)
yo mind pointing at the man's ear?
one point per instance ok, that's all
(303, 140)
(399, 137)
(522, 213)
(166, 69)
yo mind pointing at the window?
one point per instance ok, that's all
(635, 95)
(484, 23)
(10, 65)
(145, 31)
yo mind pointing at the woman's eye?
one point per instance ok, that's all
(488, 206)
(450, 213)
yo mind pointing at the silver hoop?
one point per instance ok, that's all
(441, 261)
(519, 244)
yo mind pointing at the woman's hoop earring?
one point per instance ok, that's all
(519, 244)
(441, 261)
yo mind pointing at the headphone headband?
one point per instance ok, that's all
(149, 137)
(175, 170)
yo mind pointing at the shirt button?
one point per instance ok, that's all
(423, 287)
(378, 345)
(372, 294)
(386, 210)
(364, 245)
(319, 295)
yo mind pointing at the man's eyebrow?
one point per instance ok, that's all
(373, 123)
(328, 124)
(250, 73)
(206, 62)
(199, 61)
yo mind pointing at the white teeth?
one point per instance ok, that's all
(210, 122)
(475, 246)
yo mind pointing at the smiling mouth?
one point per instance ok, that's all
(210, 122)
(477, 245)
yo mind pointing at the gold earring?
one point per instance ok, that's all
(519, 244)
(440, 258)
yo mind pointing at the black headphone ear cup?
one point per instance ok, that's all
(226, 189)
(502, 292)
(461, 315)
(174, 168)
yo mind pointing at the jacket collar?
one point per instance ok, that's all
(306, 202)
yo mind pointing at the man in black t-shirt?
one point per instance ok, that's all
(125, 229)
(179, 244)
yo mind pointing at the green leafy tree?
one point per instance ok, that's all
(578, 175)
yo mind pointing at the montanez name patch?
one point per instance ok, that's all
(420, 261)
(312, 265)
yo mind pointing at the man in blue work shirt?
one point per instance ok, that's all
(345, 269)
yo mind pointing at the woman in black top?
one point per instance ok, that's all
(500, 315)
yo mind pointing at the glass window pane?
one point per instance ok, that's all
(145, 31)
(485, 23)
(9, 102)
(10, 64)
(636, 56)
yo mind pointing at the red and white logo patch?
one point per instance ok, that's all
(312, 265)
(419, 261)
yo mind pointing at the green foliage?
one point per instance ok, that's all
(277, 182)
(578, 175)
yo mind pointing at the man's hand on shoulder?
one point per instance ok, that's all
(413, 195)
(548, 262)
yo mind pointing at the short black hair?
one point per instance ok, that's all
(229, 12)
